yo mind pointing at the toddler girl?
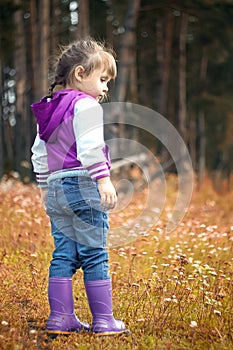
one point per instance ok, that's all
(71, 162)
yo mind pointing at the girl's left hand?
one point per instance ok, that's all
(107, 193)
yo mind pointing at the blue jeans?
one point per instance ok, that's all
(79, 228)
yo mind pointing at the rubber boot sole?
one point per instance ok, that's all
(126, 332)
(55, 334)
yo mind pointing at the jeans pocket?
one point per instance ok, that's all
(90, 226)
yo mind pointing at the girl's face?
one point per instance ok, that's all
(95, 84)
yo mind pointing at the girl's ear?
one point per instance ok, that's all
(78, 73)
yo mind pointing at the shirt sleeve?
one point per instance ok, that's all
(88, 129)
(40, 162)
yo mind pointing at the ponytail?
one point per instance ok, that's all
(52, 86)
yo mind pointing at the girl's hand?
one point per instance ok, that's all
(107, 193)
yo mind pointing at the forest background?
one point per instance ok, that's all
(173, 56)
(172, 291)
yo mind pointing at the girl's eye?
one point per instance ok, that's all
(104, 79)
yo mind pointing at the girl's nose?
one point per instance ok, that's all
(106, 88)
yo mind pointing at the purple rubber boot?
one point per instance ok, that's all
(62, 319)
(99, 294)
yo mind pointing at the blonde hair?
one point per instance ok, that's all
(88, 53)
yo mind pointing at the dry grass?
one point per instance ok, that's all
(174, 292)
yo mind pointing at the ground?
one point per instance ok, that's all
(174, 291)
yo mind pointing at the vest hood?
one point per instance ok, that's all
(49, 112)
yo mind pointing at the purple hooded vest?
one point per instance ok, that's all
(55, 120)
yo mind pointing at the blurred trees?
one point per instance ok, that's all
(173, 56)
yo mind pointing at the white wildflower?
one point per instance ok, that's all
(217, 312)
(193, 324)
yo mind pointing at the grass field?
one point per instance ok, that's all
(174, 291)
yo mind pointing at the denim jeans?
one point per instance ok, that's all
(79, 228)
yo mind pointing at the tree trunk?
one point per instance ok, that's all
(83, 28)
(182, 75)
(44, 26)
(22, 135)
(202, 148)
(54, 26)
(40, 43)
(192, 142)
(164, 30)
(127, 54)
(201, 120)
(1, 127)
(109, 27)
(34, 75)
(127, 74)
